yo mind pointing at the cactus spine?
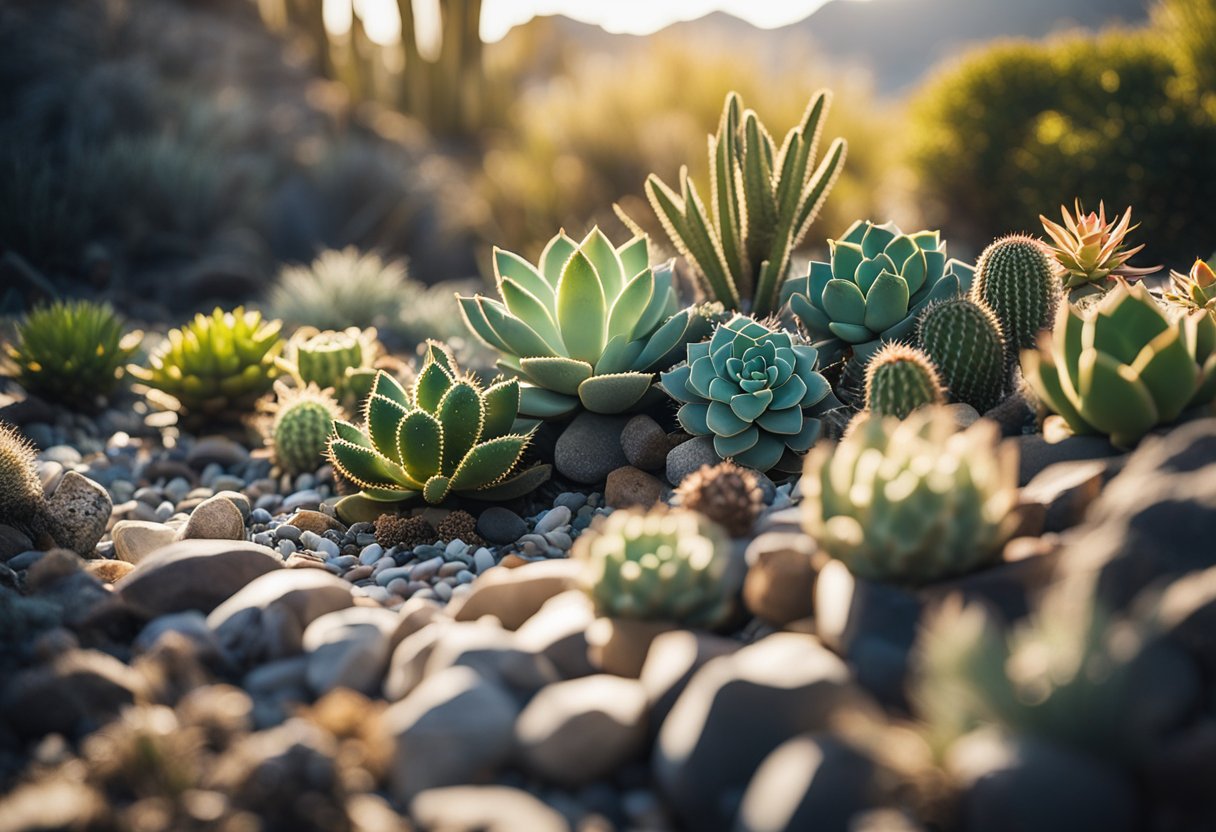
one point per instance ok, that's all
(900, 379)
(964, 339)
(1016, 278)
(21, 498)
(302, 423)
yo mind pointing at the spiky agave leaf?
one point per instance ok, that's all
(1091, 249)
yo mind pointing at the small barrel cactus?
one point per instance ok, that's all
(1016, 278)
(964, 339)
(338, 359)
(72, 352)
(1123, 366)
(446, 436)
(659, 565)
(725, 493)
(21, 497)
(302, 423)
(216, 366)
(912, 501)
(754, 390)
(899, 379)
(1195, 290)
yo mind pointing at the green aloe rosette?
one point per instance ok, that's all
(756, 391)
(870, 292)
(586, 327)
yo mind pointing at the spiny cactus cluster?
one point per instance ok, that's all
(21, 496)
(302, 423)
(71, 352)
(658, 565)
(899, 379)
(964, 340)
(912, 501)
(1016, 278)
(725, 493)
(216, 366)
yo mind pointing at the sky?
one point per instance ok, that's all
(637, 17)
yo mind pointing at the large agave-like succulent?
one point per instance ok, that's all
(912, 501)
(218, 365)
(1195, 290)
(445, 436)
(71, 352)
(754, 390)
(587, 327)
(870, 292)
(1090, 248)
(1122, 367)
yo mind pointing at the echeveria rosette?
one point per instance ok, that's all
(756, 391)
(1123, 366)
(444, 437)
(587, 327)
(870, 293)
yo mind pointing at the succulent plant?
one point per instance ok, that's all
(877, 281)
(338, 359)
(1091, 249)
(21, 496)
(1016, 277)
(444, 437)
(912, 501)
(963, 339)
(302, 423)
(899, 379)
(216, 366)
(725, 493)
(659, 565)
(341, 288)
(405, 532)
(586, 327)
(762, 201)
(1195, 290)
(754, 390)
(71, 352)
(1123, 366)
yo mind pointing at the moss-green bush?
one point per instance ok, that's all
(1017, 128)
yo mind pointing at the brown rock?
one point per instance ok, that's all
(514, 595)
(77, 513)
(136, 539)
(629, 486)
(194, 575)
(109, 571)
(619, 645)
(780, 582)
(315, 521)
(215, 518)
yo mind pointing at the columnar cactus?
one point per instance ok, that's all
(762, 202)
(1124, 366)
(870, 293)
(659, 565)
(912, 501)
(1016, 278)
(586, 327)
(444, 437)
(754, 390)
(964, 339)
(303, 420)
(71, 352)
(899, 379)
(216, 366)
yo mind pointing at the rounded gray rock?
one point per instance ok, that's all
(688, 456)
(590, 448)
(645, 443)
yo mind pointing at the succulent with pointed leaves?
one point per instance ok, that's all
(754, 390)
(444, 437)
(587, 327)
(1091, 249)
(1195, 290)
(762, 202)
(1123, 366)
(870, 293)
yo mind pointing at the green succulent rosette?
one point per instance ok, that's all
(870, 292)
(756, 391)
(444, 437)
(1123, 366)
(586, 327)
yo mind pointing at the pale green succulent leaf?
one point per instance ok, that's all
(500, 403)
(509, 266)
(581, 309)
(562, 375)
(553, 258)
(615, 393)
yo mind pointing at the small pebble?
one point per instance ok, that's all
(427, 569)
(286, 532)
(385, 576)
(327, 548)
(287, 548)
(371, 554)
(443, 591)
(260, 515)
(555, 518)
(483, 559)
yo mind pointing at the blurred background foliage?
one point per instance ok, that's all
(174, 153)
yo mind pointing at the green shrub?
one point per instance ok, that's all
(1018, 128)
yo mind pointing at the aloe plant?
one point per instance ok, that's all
(762, 202)
(444, 437)
(588, 326)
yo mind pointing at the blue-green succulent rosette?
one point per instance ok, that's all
(755, 391)
(873, 289)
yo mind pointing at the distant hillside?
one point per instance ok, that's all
(895, 41)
